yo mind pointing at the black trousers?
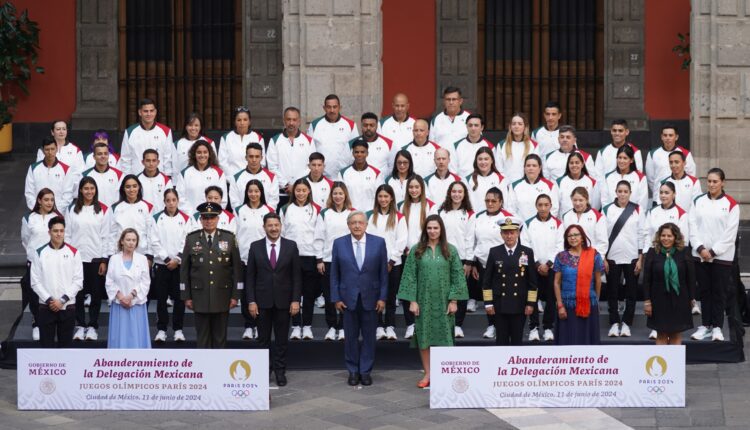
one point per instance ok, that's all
(509, 329)
(250, 322)
(167, 284)
(461, 310)
(278, 320)
(310, 290)
(475, 292)
(547, 294)
(28, 296)
(714, 284)
(212, 330)
(93, 284)
(59, 324)
(334, 319)
(616, 271)
(388, 318)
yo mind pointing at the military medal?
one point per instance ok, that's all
(523, 260)
(224, 245)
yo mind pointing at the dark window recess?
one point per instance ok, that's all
(149, 30)
(508, 35)
(212, 29)
(572, 30)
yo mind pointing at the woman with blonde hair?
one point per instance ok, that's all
(518, 144)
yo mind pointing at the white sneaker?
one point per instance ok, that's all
(390, 333)
(458, 332)
(161, 336)
(471, 305)
(35, 333)
(717, 335)
(320, 302)
(87, 301)
(380, 333)
(179, 336)
(307, 333)
(170, 303)
(409, 332)
(696, 309)
(534, 335)
(330, 334)
(296, 333)
(248, 334)
(80, 332)
(614, 331)
(700, 334)
(490, 332)
(548, 336)
(91, 334)
(341, 336)
(652, 335)
(625, 330)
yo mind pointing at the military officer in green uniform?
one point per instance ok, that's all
(510, 285)
(211, 277)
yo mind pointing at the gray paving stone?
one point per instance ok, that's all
(712, 417)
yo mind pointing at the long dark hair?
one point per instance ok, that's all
(482, 150)
(123, 197)
(627, 150)
(190, 118)
(424, 239)
(585, 241)
(79, 200)
(538, 161)
(297, 183)
(194, 148)
(258, 184)
(406, 205)
(406, 154)
(448, 203)
(392, 210)
(43, 192)
(578, 155)
(347, 201)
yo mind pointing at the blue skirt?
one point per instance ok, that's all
(575, 330)
(128, 328)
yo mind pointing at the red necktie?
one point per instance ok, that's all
(273, 256)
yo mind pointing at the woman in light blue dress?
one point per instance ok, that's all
(127, 286)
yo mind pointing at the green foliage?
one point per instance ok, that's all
(683, 50)
(19, 46)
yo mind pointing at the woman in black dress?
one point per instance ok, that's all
(669, 285)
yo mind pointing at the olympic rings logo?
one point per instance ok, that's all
(240, 393)
(656, 389)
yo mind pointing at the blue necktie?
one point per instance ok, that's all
(358, 255)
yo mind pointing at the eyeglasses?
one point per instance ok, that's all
(402, 162)
(574, 235)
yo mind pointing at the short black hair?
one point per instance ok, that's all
(476, 116)
(271, 215)
(360, 142)
(451, 89)
(678, 153)
(214, 188)
(254, 145)
(49, 140)
(292, 109)
(331, 97)
(553, 104)
(316, 156)
(56, 220)
(568, 129)
(669, 125)
(150, 151)
(146, 101)
(369, 115)
(619, 121)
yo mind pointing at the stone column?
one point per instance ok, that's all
(332, 46)
(720, 92)
(456, 28)
(623, 63)
(97, 59)
(261, 88)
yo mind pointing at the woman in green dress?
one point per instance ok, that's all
(433, 281)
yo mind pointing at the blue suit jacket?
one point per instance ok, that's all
(348, 282)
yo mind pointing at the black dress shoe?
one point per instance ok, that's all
(353, 379)
(366, 379)
(280, 379)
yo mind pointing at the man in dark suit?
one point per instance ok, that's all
(274, 284)
(211, 277)
(359, 287)
(510, 286)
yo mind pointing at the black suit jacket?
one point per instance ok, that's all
(278, 287)
(510, 282)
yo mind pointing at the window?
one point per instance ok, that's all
(533, 51)
(183, 54)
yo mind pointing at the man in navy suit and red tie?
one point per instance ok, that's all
(359, 286)
(273, 285)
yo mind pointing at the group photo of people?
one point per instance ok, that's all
(362, 218)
